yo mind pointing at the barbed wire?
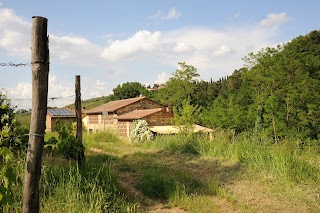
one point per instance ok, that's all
(49, 99)
(11, 64)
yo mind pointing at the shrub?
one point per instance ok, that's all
(140, 131)
(67, 145)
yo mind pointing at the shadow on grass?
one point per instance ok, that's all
(162, 175)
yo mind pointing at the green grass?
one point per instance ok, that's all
(285, 160)
(188, 173)
(24, 119)
(92, 103)
(163, 183)
(66, 188)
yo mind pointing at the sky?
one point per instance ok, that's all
(109, 43)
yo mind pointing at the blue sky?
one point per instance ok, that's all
(112, 42)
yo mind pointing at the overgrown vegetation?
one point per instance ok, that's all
(65, 188)
(66, 144)
(266, 145)
(12, 141)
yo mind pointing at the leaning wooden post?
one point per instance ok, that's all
(79, 119)
(40, 72)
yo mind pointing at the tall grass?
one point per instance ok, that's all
(288, 160)
(104, 140)
(92, 188)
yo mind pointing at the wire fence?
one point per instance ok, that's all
(19, 100)
(11, 64)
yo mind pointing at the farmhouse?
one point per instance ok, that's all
(119, 115)
(54, 116)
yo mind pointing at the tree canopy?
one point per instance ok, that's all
(129, 90)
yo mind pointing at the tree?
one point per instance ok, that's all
(129, 90)
(180, 86)
(186, 73)
(278, 90)
(186, 116)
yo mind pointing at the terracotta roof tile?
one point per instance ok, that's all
(137, 114)
(113, 105)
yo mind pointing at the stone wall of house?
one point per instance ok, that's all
(93, 119)
(142, 104)
(97, 122)
(124, 128)
(160, 118)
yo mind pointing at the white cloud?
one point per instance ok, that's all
(14, 33)
(100, 83)
(95, 94)
(275, 19)
(58, 94)
(162, 78)
(157, 15)
(15, 39)
(182, 47)
(223, 49)
(198, 46)
(22, 91)
(142, 41)
(216, 53)
(74, 49)
(172, 14)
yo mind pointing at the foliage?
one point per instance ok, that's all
(12, 134)
(186, 116)
(294, 160)
(140, 131)
(7, 177)
(67, 144)
(7, 139)
(180, 86)
(277, 91)
(156, 182)
(66, 188)
(129, 90)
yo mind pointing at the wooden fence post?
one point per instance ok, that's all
(40, 72)
(79, 118)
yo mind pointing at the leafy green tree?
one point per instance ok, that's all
(186, 73)
(186, 116)
(180, 86)
(278, 89)
(129, 90)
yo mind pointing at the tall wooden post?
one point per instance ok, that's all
(40, 72)
(79, 118)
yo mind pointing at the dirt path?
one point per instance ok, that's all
(235, 193)
(129, 169)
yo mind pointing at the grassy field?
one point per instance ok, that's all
(24, 119)
(182, 174)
